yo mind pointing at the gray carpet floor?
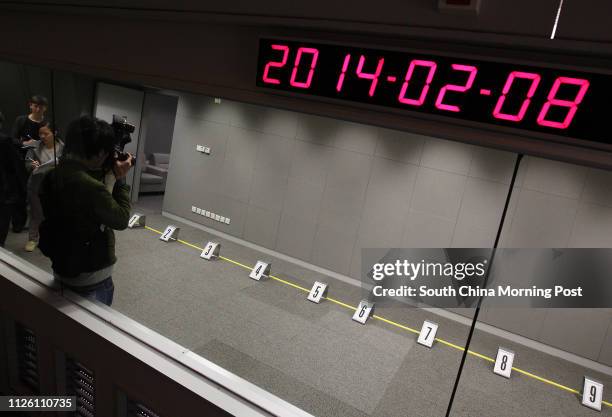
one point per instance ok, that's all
(315, 356)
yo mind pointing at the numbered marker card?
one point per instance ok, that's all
(592, 393)
(171, 233)
(260, 270)
(318, 291)
(503, 362)
(211, 251)
(428, 333)
(137, 220)
(364, 311)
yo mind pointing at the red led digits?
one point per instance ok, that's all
(413, 64)
(535, 98)
(535, 80)
(572, 105)
(272, 64)
(370, 76)
(315, 55)
(459, 88)
(345, 65)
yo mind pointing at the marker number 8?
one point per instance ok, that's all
(504, 363)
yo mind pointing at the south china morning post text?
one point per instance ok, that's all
(460, 277)
(460, 271)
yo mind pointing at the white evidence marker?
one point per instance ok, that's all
(171, 233)
(427, 336)
(137, 220)
(260, 270)
(211, 251)
(318, 291)
(363, 312)
(503, 362)
(592, 393)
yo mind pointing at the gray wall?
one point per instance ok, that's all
(321, 189)
(74, 97)
(567, 206)
(17, 83)
(159, 111)
(73, 93)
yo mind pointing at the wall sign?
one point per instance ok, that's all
(566, 103)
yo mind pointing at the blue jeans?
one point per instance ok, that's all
(102, 292)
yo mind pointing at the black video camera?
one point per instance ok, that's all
(123, 131)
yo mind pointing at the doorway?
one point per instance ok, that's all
(153, 114)
(157, 131)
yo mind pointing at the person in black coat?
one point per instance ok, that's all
(25, 134)
(25, 128)
(12, 182)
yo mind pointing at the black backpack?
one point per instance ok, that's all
(71, 251)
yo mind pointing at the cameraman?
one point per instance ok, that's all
(83, 200)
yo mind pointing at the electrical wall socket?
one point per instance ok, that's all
(210, 215)
(203, 149)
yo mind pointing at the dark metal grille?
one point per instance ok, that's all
(81, 383)
(27, 354)
(136, 409)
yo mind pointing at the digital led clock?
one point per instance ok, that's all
(562, 102)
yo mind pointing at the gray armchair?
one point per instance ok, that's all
(154, 174)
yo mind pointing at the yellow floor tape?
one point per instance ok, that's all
(401, 326)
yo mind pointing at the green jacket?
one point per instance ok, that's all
(80, 214)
